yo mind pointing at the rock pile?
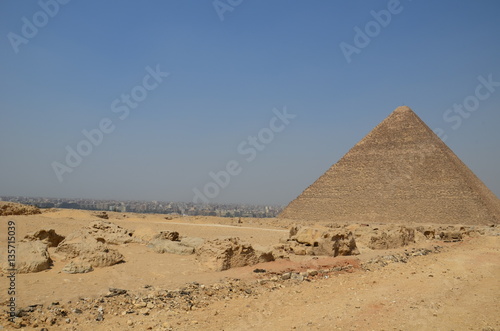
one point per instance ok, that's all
(12, 209)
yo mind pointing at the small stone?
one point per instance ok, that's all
(144, 311)
(312, 272)
(130, 323)
(150, 305)
(286, 275)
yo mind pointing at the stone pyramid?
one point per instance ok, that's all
(400, 172)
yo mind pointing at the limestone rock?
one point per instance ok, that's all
(48, 237)
(86, 248)
(337, 243)
(31, 256)
(168, 246)
(77, 267)
(392, 238)
(225, 253)
(322, 241)
(110, 232)
(194, 242)
(167, 235)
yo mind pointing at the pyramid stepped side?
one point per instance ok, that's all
(400, 172)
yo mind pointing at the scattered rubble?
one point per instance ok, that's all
(384, 260)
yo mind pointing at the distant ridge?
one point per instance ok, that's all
(400, 172)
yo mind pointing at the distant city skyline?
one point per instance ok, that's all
(158, 207)
(245, 103)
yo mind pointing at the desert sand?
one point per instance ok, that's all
(429, 283)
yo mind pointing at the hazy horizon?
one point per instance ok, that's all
(244, 102)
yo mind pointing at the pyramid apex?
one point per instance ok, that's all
(402, 109)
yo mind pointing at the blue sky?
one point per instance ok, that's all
(225, 78)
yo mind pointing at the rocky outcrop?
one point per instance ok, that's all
(392, 237)
(110, 232)
(225, 253)
(320, 241)
(48, 237)
(84, 247)
(31, 256)
(171, 242)
(167, 246)
(77, 267)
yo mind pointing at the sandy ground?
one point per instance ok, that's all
(455, 289)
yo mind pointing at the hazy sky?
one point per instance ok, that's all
(170, 91)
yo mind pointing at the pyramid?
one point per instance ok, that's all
(400, 172)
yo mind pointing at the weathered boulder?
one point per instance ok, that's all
(448, 236)
(144, 234)
(167, 235)
(48, 237)
(225, 253)
(321, 241)
(110, 232)
(337, 243)
(31, 256)
(87, 248)
(194, 242)
(309, 236)
(77, 267)
(393, 237)
(167, 246)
